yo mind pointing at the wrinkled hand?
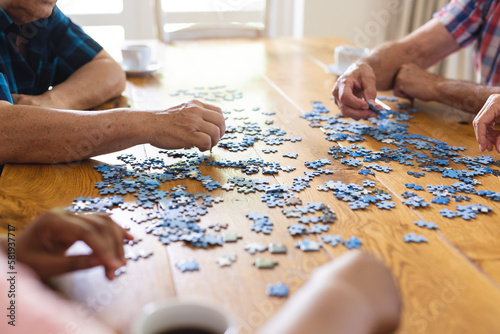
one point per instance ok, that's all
(189, 124)
(354, 89)
(42, 100)
(42, 245)
(412, 82)
(484, 124)
(368, 279)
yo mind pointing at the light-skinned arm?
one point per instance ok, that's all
(353, 294)
(92, 84)
(359, 84)
(30, 134)
(414, 82)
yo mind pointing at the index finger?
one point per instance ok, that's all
(347, 97)
(484, 119)
(89, 230)
(70, 228)
(481, 130)
(114, 231)
(216, 119)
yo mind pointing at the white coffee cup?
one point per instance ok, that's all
(172, 314)
(344, 56)
(136, 57)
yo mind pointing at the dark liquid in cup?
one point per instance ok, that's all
(187, 331)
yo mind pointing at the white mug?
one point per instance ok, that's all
(171, 314)
(136, 57)
(345, 55)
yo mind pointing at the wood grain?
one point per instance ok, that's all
(448, 285)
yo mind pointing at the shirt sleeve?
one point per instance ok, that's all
(70, 46)
(463, 19)
(5, 94)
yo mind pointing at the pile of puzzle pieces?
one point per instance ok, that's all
(173, 215)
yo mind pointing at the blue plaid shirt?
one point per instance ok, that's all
(55, 48)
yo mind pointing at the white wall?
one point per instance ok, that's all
(364, 22)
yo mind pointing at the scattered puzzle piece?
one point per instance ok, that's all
(253, 247)
(307, 245)
(265, 263)
(277, 248)
(277, 290)
(226, 260)
(412, 237)
(187, 265)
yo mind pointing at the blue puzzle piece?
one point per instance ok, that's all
(333, 240)
(412, 237)
(386, 205)
(441, 200)
(447, 213)
(423, 223)
(353, 242)
(277, 290)
(187, 265)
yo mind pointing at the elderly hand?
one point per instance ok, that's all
(412, 82)
(193, 123)
(354, 89)
(42, 245)
(484, 124)
(42, 100)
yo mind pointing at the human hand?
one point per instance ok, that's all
(484, 124)
(366, 280)
(354, 90)
(412, 82)
(42, 100)
(42, 245)
(189, 124)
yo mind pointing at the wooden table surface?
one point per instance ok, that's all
(448, 285)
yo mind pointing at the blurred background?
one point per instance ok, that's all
(362, 22)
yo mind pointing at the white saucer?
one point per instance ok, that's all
(334, 69)
(151, 68)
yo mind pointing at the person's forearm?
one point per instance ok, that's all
(424, 47)
(386, 60)
(91, 85)
(321, 309)
(40, 135)
(467, 96)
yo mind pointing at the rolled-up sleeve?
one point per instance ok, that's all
(463, 19)
(5, 94)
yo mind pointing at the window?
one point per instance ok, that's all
(70, 7)
(111, 22)
(209, 15)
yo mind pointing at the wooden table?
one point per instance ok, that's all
(449, 285)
